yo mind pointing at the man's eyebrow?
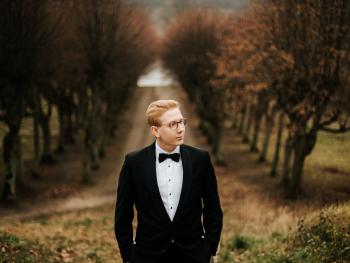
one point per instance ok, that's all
(178, 119)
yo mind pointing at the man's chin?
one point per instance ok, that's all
(179, 142)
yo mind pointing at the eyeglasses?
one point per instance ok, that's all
(174, 125)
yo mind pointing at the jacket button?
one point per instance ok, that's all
(172, 241)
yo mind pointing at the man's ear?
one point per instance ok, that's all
(154, 131)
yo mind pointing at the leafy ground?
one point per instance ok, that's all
(79, 236)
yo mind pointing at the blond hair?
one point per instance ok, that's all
(157, 108)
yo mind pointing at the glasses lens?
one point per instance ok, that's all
(173, 125)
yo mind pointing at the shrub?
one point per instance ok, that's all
(326, 239)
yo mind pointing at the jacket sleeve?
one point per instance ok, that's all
(124, 212)
(212, 213)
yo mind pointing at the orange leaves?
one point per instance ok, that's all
(257, 87)
(279, 45)
(243, 51)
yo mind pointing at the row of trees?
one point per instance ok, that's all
(288, 59)
(188, 47)
(82, 57)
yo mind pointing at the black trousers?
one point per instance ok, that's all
(173, 255)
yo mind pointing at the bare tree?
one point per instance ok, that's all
(24, 35)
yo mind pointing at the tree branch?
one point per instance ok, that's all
(341, 129)
(329, 121)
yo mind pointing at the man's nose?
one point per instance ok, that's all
(180, 128)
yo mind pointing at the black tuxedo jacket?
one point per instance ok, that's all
(155, 231)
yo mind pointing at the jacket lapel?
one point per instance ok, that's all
(186, 182)
(153, 185)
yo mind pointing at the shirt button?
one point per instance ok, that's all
(171, 207)
(172, 241)
(169, 180)
(168, 165)
(169, 193)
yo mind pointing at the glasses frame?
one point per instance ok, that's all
(183, 120)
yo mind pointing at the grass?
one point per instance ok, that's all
(329, 163)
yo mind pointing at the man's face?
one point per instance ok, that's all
(165, 134)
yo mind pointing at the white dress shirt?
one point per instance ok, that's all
(169, 179)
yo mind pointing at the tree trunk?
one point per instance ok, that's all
(88, 156)
(286, 163)
(303, 146)
(278, 144)
(62, 130)
(234, 120)
(112, 130)
(36, 135)
(12, 154)
(102, 148)
(270, 118)
(235, 114)
(91, 142)
(18, 161)
(298, 165)
(86, 176)
(217, 147)
(70, 131)
(95, 156)
(82, 110)
(13, 164)
(247, 126)
(100, 129)
(243, 112)
(257, 124)
(47, 156)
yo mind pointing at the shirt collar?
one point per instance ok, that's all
(160, 150)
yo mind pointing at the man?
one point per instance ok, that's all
(172, 185)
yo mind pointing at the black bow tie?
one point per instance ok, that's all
(174, 156)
